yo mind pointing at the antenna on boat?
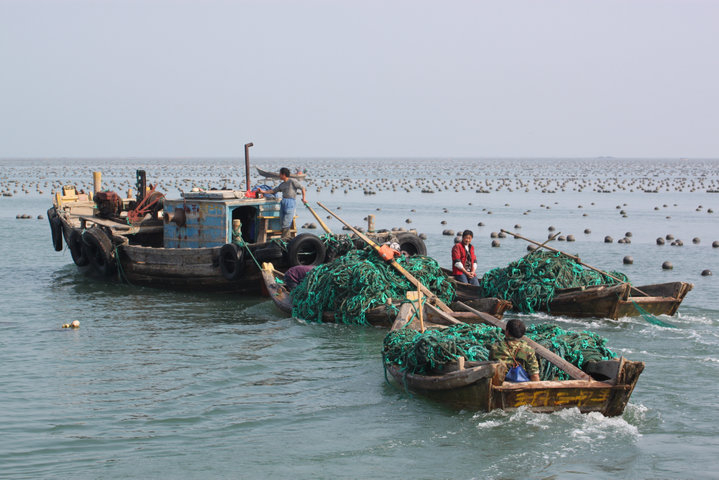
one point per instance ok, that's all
(247, 163)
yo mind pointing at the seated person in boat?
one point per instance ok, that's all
(289, 188)
(464, 261)
(295, 275)
(513, 350)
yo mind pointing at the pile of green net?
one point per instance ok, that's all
(352, 284)
(421, 353)
(337, 245)
(577, 348)
(530, 282)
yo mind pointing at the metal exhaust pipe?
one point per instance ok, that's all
(247, 163)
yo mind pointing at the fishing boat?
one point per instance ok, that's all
(273, 283)
(603, 387)
(378, 316)
(275, 175)
(601, 301)
(620, 300)
(209, 240)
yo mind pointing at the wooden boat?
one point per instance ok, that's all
(472, 296)
(603, 301)
(283, 301)
(206, 240)
(377, 316)
(276, 175)
(480, 386)
(620, 300)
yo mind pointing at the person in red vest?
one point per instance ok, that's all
(464, 261)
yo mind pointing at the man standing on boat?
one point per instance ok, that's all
(289, 188)
(464, 261)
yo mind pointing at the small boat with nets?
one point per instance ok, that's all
(360, 288)
(277, 291)
(433, 354)
(559, 284)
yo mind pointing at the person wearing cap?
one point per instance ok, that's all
(464, 261)
(289, 188)
(513, 350)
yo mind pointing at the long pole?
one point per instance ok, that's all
(322, 224)
(430, 296)
(543, 352)
(576, 259)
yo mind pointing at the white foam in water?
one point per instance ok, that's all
(596, 426)
(488, 424)
(692, 319)
(635, 414)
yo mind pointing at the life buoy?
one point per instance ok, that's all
(232, 261)
(55, 229)
(306, 249)
(412, 244)
(77, 250)
(98, 249)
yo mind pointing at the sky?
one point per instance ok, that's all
(359, 78)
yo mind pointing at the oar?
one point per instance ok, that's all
(552, 237)
(430, 296)
(543, 352)
(322, 224)
(576, 259)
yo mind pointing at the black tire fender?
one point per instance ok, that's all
(412, 244)
(55, 229)
(232, 261)
(306, 249)
(99, 251)
(269, 253)
(77, 250)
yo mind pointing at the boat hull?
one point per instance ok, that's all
(480, 386)
(600, 301)
(377, 316)
(617, 301)
(195, 269)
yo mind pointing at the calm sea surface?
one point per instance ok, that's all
(159, 384)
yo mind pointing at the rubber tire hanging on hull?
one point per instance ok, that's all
(270, 253)
(77, 250)
(55, 229)
(412, 244)
(232, 261)
(98, 249)
(306, 249)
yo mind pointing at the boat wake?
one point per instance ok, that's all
(581, 427)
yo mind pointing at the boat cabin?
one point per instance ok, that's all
(213, 218)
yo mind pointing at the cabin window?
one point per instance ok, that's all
(248, 216)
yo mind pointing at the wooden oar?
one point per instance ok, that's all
(552, 237)
(576, 259)
(322, 224)
(430, 296)
(543, 352)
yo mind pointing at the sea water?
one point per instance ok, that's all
(161, 384)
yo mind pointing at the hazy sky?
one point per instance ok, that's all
(186, 78)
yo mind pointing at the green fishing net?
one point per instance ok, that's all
(422, 353)
(337, 245)
(530, 283)
(360, 280)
